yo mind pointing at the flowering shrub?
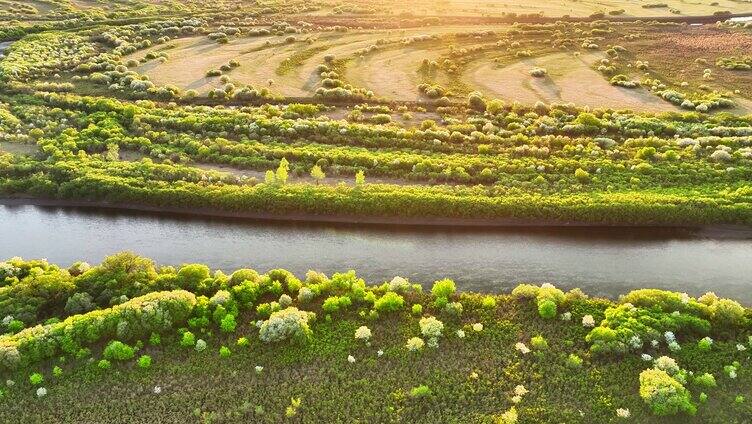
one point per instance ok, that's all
(287, 324)
(431, 327)
(415, 344)
(363, 333)
(664, 394)
(626, 321)
(136, 318)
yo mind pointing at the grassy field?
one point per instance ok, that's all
(479, 358)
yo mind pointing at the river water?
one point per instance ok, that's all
(601, 262)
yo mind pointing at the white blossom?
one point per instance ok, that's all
(740, 347)
(399, 284)
(520, 390)
(623, 413)
(415, 344)
(41, 392)
(258, 369)
(363, 333)
(461, 334)
(669, 336)
(350, 359)
(674, 347)
(654, 343)
(478, 327)
(684, 298)
(635, 342)
(647, 358)
(380, 353)
(200, 345)
(431, 327)
(522, 348)
(566, 316)
(157, 390)
(588, 321)
(667, 364)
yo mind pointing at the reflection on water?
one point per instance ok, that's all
(605, 262)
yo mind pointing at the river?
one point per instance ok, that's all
(603, 262)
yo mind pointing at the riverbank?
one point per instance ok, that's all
(333, 347)
(713, 231)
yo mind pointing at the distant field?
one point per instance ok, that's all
(495, 61)
(560, 7)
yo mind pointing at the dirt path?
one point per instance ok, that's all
(570, 79)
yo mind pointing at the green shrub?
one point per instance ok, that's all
(104, 364)
(489, 302)
(547, 309)
(443, 288)
(417, 309)
(144, 361)
(228, 324)
(224, 352)
(334, 304)
(188, 339)
(539, 343)
(390, 302)
(420, 391)
(118, 351)
(705, 380)
(36, 379)
(574, 361)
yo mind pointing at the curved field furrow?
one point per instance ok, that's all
(569, 80)
(190, 59)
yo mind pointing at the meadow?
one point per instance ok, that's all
(128, 338)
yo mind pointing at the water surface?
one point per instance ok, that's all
(602, 262)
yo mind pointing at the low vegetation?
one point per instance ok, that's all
(191, 343)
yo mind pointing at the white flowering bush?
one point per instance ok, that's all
(287, 324)
(200, 345)
(415, 344)
(431, 327)
(588, 321)
(363, 333)
(522, 348)
(305, 295)
(623, 413)
(399, 284)
(221, 297)
(477, 327)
